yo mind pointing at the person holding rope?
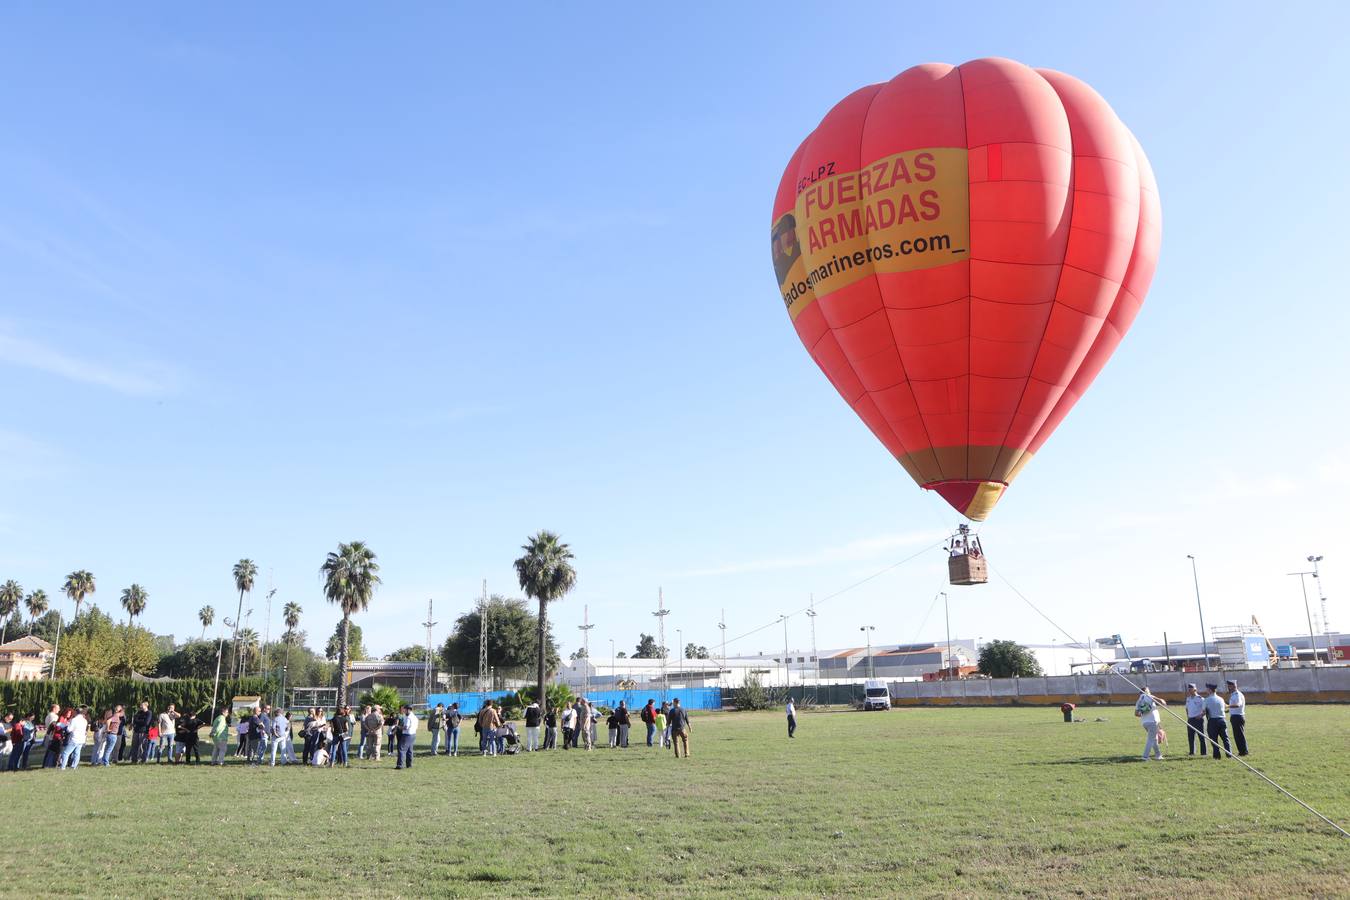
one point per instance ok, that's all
(1217, 727)
(1146, 710)
(1195, 719)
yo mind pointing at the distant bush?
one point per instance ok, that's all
(102, 693)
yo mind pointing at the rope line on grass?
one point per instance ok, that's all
(1112, 670)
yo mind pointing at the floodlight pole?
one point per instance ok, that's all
(867, 630)
(220, 649)
(723, 626)
(1311, 634)
(679, 637)
(1326, 625)
(661, 613)
(1204, 640)
(787, 667)
(585, 629)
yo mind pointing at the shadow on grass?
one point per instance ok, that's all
(1085, 761)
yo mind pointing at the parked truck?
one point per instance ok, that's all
(876, 695)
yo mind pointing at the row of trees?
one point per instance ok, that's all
(350, 575)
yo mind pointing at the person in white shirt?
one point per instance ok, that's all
(281, 735)
(1195, 719)
(168, 722)
(792, 718)
(1237, 717)
(407, 736)
(1217, 727)
(569, 726)
(1146, 710)
(76, 731)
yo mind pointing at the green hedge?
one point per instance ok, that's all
(23, 697)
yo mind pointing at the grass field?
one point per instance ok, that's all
(913, 802)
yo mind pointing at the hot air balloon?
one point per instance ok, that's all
(961, 249)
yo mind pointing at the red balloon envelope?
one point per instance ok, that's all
(961, 249)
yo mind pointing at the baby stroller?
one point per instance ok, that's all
(510, 741)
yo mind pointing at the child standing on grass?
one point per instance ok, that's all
(664, 740)
(613, 722)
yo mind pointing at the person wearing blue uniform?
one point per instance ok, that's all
(1237, 717)
(1217, 726)
(1195, 719)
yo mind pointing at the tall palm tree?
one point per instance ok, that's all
(350, 576)
(546, 574)
(11, 595)
(248, 647)
(244, 572)
(79, 584)
(134, 599)
(290, 614)
(208, 615)
(37, 606)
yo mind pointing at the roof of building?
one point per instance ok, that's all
(28, 642)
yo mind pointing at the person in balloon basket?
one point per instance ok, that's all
(1216, 727)
(1237, 717)
(1146, 709)
(679, 728)
(1195, 720)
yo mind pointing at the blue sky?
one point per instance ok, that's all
(435, 279)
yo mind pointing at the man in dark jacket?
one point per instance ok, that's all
(679, 727)
(140, 727)
(648, 716)
(532, 719)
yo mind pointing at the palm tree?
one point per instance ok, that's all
(134, 599)
(546, 574)
(248, 647)
(79, 584)
(37, 605)
(11, 595)
(244, 572)
(208, 615)
(350, 577)
(290, 614)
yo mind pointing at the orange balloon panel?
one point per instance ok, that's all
(961, 249)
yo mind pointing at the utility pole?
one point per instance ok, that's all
(585, 628)
(867, 630)
(482, 639)
(661, 613)
(426, 662)
(1204, 640)
(947, 616)
(612, 677)
(1326, 623)
(723, 626)
(267, 626)
(56, 648)
(220, 650)
(1311, 634)
(815, 657)
(787, 668)
(679, 638)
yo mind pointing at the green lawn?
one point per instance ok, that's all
(912, 802)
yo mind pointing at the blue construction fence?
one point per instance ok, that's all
(690, 698)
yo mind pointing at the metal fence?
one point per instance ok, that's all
(1330, 684)
(690, 698)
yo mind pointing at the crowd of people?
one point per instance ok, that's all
(1205, 711)
(264, 735)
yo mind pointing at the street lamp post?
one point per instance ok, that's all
(787, 668)
(1204, 641)
(220, 649)
(1302, 579)
(679, 636)
(612, 677)
(947, 615)
(867, 630)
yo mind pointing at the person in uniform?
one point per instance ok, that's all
(1195, 719)
(1237, 717)
(1217, 726)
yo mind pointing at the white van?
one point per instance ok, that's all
(876, 695)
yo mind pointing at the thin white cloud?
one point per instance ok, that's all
(143, 380)
(854, 551)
